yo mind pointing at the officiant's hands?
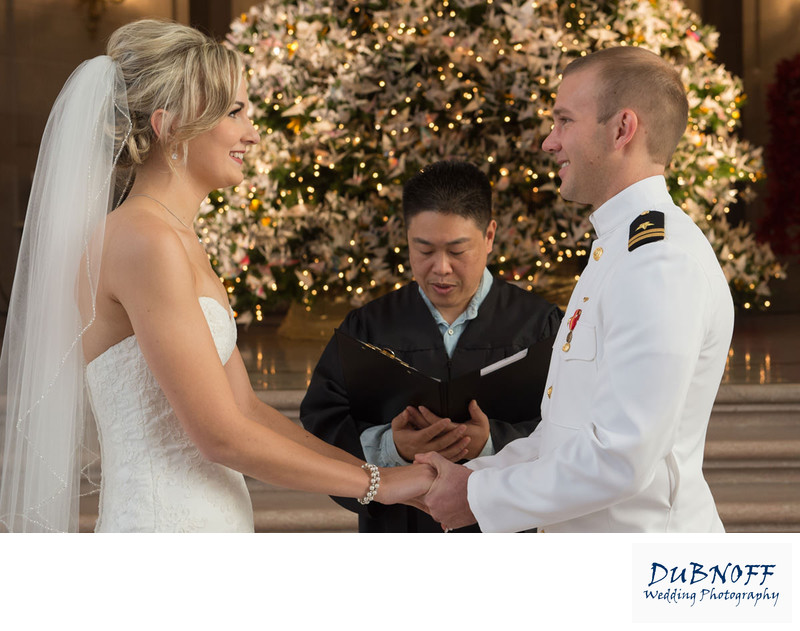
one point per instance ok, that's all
(446, 501)
(477, 430)
(418, 430)
(472, 435)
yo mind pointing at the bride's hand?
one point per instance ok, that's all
(405, 485)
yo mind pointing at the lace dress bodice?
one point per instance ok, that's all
(153, 477)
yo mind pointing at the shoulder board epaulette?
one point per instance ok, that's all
(646, 228)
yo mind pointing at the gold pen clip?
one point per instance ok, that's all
(388, 352)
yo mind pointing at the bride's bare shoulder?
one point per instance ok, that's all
(134, 232)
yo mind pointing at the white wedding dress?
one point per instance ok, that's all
(153, 477)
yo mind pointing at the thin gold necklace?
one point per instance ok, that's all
(164, 206)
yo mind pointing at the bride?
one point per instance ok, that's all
(120, 313)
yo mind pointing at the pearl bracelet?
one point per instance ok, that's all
(374, 482)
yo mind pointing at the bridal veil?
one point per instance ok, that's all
(44, 444)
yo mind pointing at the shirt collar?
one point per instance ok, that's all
(475, 302)
(643, 195)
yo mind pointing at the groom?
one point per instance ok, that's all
(639, 357)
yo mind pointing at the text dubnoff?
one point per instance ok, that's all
(745, 584)
(729, 581)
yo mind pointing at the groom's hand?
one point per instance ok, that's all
(447, 498)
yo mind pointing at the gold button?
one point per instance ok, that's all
(549, 391)
(598, 252)
(586, 298)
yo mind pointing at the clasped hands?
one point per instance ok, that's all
(434, 444)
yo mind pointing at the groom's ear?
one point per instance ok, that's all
(626, 123)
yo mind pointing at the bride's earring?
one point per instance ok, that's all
(174, 155)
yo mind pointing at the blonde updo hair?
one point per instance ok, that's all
(169, 66)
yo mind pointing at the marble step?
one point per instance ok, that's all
(752, 457)
(754, 438)
(276, 509)
(757, 506)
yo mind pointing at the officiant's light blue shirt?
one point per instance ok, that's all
(378, 441)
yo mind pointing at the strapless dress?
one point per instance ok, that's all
(153, 477)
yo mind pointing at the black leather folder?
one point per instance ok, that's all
(380, 386)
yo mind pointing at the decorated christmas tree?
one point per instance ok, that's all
(352, 97)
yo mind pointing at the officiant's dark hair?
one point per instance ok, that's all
(449, 187)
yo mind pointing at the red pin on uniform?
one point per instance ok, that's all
(572, 322)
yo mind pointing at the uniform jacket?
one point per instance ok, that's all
(627, 405)
(509, 320)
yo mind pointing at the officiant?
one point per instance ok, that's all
(455, 317)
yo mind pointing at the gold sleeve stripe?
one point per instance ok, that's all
(647, 234)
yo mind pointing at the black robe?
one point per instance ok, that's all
(509, 320)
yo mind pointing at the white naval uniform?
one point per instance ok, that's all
(624, 419)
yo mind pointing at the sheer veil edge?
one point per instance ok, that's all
(49, 450)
